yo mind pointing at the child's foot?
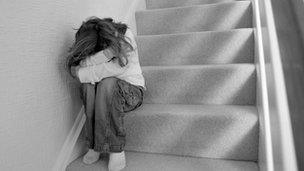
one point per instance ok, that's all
(117, 161)
(90, 157)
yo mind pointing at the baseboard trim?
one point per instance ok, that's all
(68, 146)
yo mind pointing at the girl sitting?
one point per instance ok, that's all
(104, 58)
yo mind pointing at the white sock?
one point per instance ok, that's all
(90, 157)
(117, 161)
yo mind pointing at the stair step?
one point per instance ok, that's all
(159, 162)
(154, 4)
(200, 84)
(211, 17)
(223, 47)
(213, 131)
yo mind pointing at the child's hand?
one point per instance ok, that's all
(83, 63)
(109, 53)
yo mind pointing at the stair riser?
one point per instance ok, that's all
(224, 135)
(197, 48)
(154, 4)
(219, 84)
(218, 17)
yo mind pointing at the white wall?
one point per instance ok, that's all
(39, 101)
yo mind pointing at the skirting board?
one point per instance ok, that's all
(69, 144)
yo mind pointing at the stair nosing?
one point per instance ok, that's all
(195, 66)
(251, 107)
(249, 29)
(134, 152)
(192, 6)
(193, 157)
(214, 105)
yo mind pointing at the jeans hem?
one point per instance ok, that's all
(89, 144)
(105, 148)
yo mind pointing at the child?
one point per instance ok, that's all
(104, 58)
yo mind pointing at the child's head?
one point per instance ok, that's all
(97, 34)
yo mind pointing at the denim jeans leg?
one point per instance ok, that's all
(126, 97)
(104, 132)
(88, 97)
(105, 106)
(114, 97)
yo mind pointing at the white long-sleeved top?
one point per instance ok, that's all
(94, 68)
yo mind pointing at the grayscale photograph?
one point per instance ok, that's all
(152, 85)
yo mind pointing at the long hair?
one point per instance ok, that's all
(97, 34)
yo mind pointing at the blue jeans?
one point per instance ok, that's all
(106, 104)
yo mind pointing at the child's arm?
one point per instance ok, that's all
(96, 59)
(96, 73)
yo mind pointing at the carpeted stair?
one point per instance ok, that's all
(201, 84)
(210, 47)
(199, 111)
(213, 131)
(155, 4)
(155, 162)
(210, 17)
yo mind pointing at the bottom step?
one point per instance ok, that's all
(159, 162)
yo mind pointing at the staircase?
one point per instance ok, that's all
(199, 113)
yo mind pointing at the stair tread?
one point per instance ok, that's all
(211, 47)
(208, 17)
(214, 131)
(186, 67)
(152, 162)
(194, 32)
(197, 109)
(193, 6)
(154, 4)
(200, 84)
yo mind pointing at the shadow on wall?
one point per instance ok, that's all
(71, 85)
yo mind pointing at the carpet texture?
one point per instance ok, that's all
(213, 131)
(153, 4)
(233, 46)
(209, 17)
(159, 162)
(201, 84)
(199, 110)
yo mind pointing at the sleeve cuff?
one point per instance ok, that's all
(86, 75)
